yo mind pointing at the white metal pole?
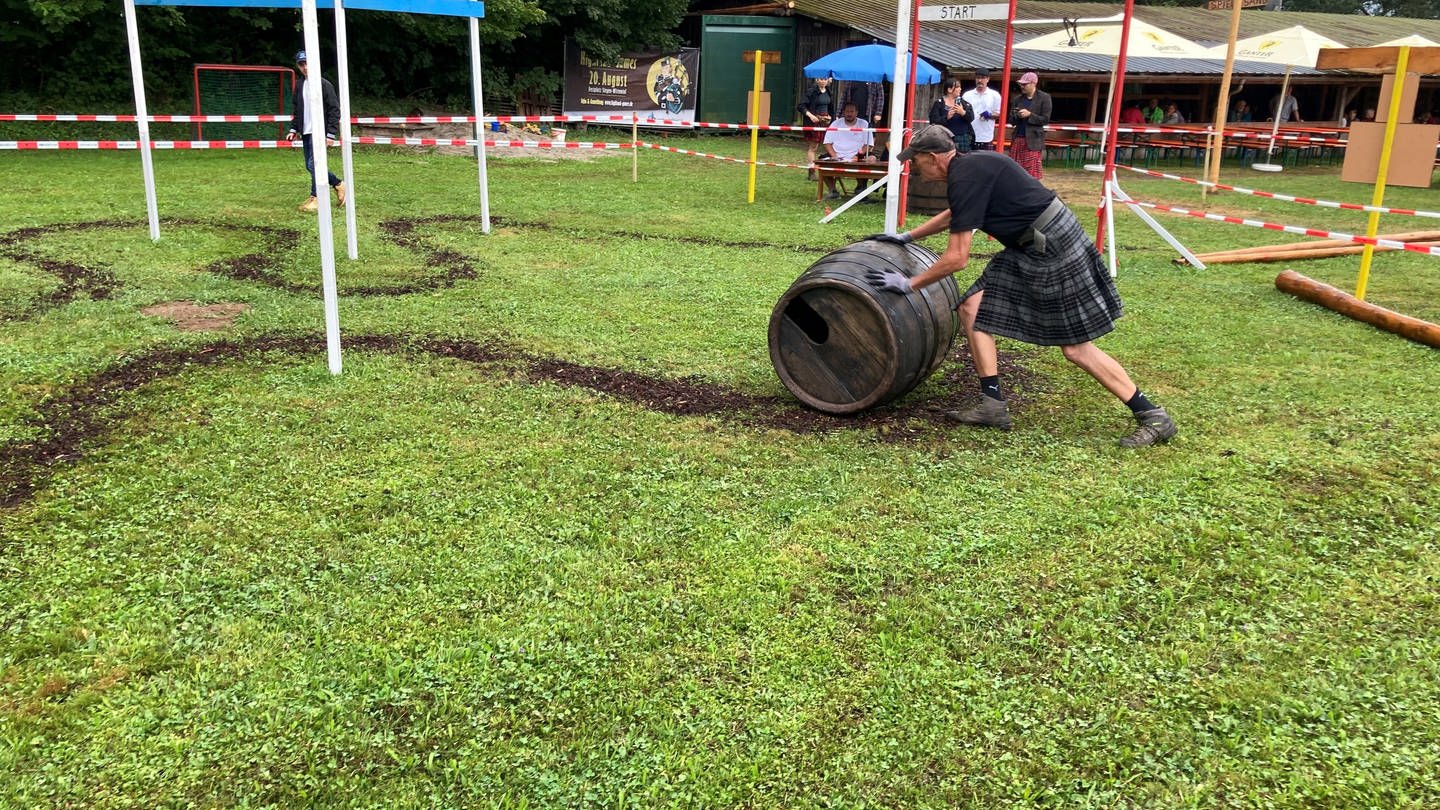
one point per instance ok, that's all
(903, 13)
(342, 66)
(315, 116)
(1119, 194)
(479, 125)
(142, 120)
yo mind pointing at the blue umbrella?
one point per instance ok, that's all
(867, 63)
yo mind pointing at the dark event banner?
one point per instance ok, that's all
(654, 86)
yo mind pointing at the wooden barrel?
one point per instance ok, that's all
(842, 346)
(926, 196)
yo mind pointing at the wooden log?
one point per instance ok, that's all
(1220, 256)
(1352, 307)
(1347, 249)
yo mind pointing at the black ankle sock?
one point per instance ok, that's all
(1139, 402)
(990, 387)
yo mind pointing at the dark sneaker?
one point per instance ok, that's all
(989, 413)
(834, 195)
(1156, 427)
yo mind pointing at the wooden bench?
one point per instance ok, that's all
(841, 169)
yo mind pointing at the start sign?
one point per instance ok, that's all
(956, 13)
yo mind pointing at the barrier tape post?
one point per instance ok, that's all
(1372, 226)
(634, 148)
(755, 120)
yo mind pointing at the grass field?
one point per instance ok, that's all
(558, 537)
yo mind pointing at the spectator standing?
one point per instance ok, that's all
(1030, 112)
(304, 129)
(817, 110)
(869, 100)
(985, 103)
(954, 113)
(1289, 108)
(1241, 113)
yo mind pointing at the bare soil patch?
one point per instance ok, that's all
(189, 317)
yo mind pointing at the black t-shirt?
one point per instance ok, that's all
(989, 191)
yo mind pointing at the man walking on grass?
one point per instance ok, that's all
(304, 128)
(1049, 286)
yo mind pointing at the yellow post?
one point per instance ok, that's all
(1372, 227)
(634, 148)
(755, 119)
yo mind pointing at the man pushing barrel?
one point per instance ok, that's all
(1049, 286)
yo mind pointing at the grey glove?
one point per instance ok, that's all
(902, 238)
(889, 281)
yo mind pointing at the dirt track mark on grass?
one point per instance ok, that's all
(265, 266)
(73, 421)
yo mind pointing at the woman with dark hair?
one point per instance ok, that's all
(955, 114)
(817, 110)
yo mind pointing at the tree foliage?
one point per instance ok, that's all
(73, 52)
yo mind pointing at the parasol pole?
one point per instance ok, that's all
(1267, 166)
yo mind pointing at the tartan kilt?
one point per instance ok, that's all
(1030, 160)
(1061, 297)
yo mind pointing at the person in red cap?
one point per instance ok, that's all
(1048, 287)
(1030, 113)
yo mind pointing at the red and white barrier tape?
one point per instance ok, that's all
(277, 144)
(1379, 209)
(1271, 226)
(628, 119)
(879, 170)
(470, 142)
(1236, 133)
(67, 145)
(600, 119)
(164, 119)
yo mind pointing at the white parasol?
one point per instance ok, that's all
(1296, 45)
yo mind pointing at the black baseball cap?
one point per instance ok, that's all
(933, 139)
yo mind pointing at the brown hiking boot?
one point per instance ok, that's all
(312, 205)
(1156, 427)
(340, 192)
(989, 413)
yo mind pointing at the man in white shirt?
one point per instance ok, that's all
(986, 103)
(848, 138)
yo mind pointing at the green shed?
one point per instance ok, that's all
(725, 78)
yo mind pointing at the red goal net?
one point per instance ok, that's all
(242, 90)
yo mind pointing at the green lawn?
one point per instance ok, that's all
(469, 572)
